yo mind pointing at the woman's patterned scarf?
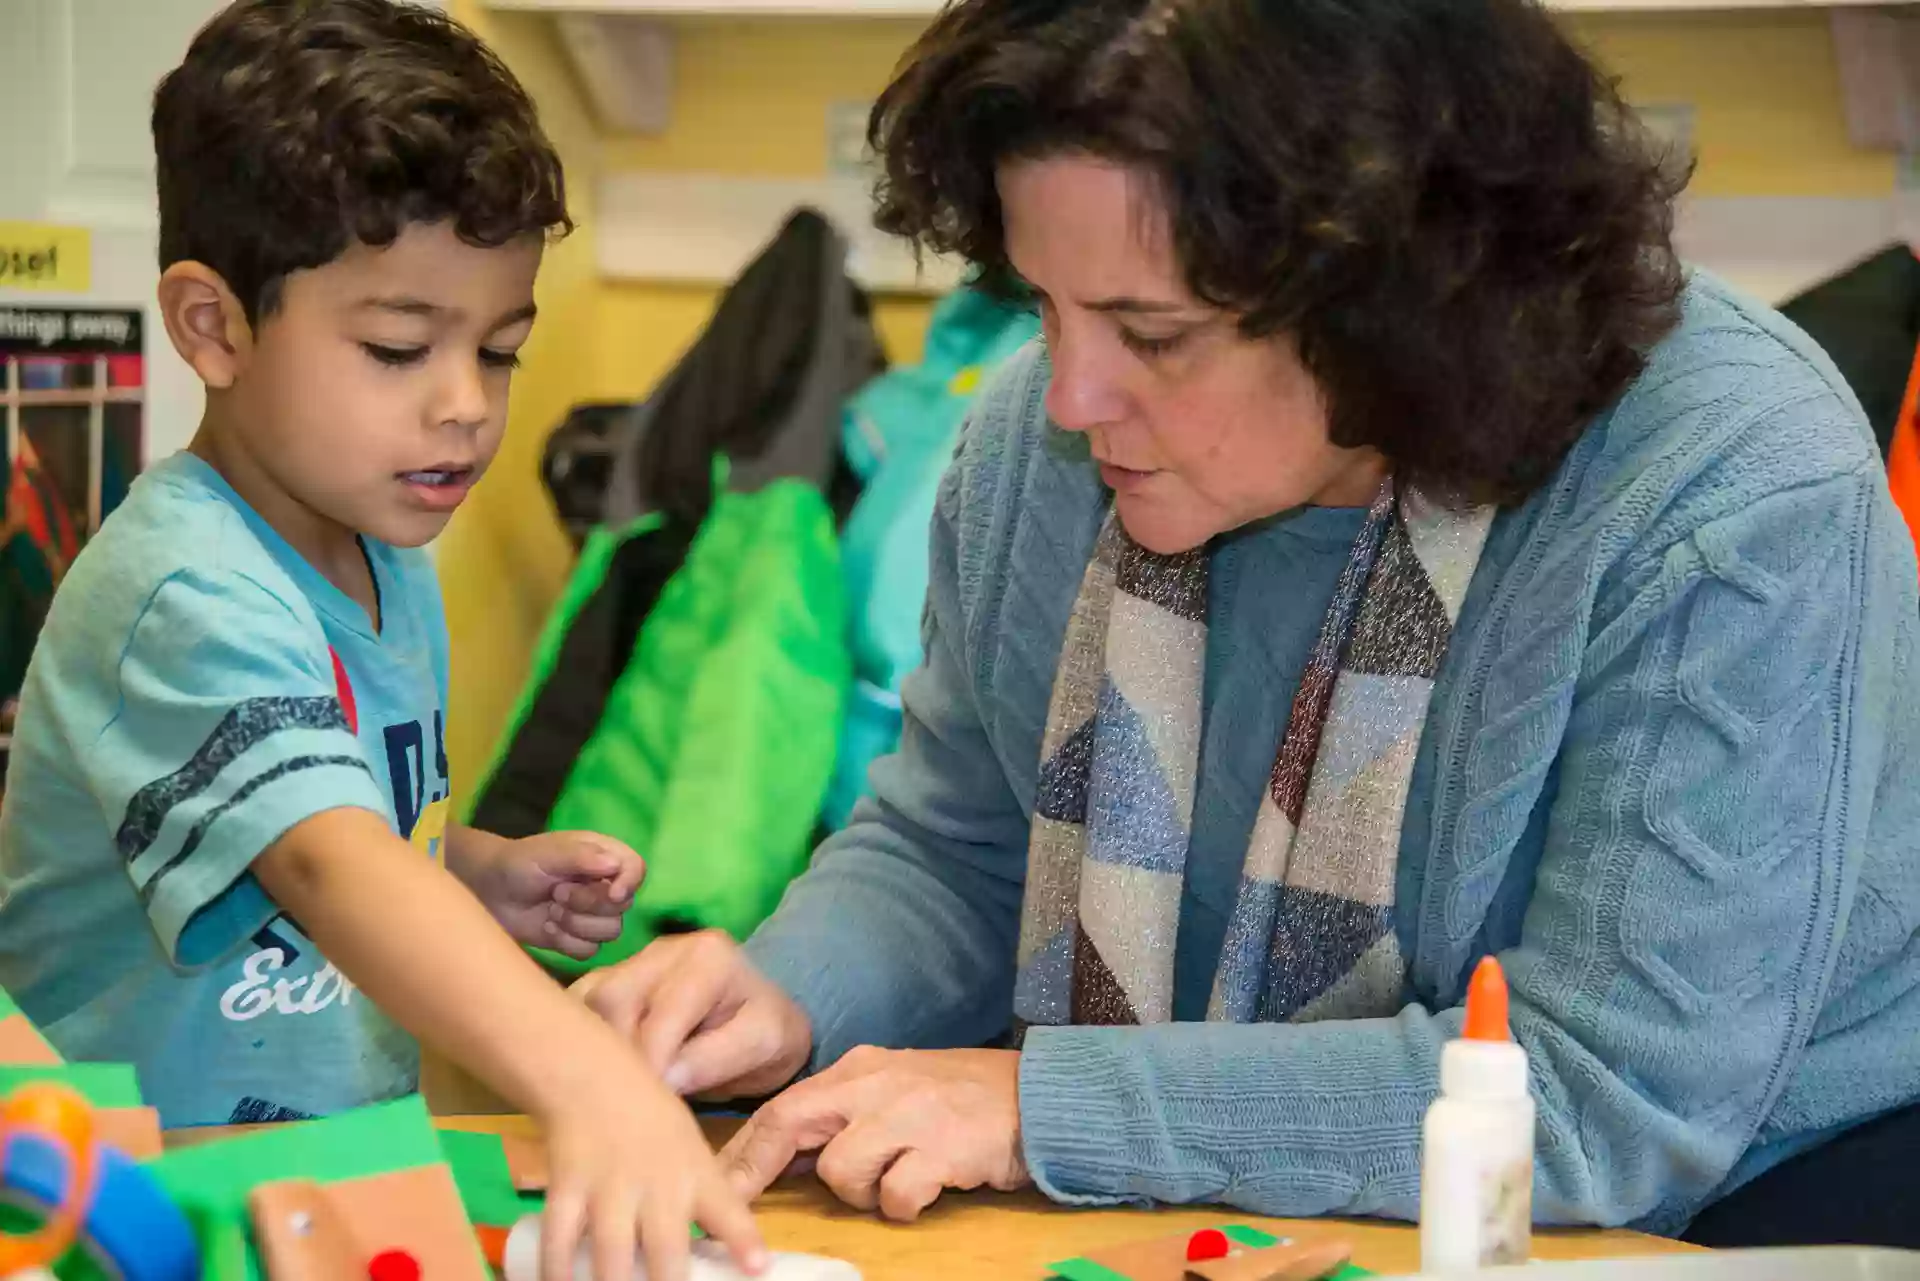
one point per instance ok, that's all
(1312, 934)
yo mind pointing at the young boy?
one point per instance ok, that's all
(226, 816)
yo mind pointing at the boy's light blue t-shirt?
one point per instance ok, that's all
(198, 690)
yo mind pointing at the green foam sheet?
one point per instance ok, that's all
(1238, 1233)
(480, 1171)
(105, 1085)
(211, 1181)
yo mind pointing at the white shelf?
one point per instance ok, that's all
(73, 397)
(698, 228)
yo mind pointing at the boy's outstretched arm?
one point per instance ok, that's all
(625, 1151)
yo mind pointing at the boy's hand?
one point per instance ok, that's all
(635, 1158)
(626, 1155)
(567, 891)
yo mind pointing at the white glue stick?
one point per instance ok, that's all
(520, 1261)
(1476, 1151)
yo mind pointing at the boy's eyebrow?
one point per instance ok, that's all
(406, 306)
(514, 317)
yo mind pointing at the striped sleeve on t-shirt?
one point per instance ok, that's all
(229, 731)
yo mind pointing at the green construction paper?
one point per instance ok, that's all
(1085, 1270)
(212, 1181)
(1351, 1273)
(105, 1085)
(480, 1171)
(479, 1166)
(226, 1251)
(1252, 1238)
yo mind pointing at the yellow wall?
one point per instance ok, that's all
(752, 96)
(1766, 90)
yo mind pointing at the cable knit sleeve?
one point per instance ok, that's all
(1706, 754)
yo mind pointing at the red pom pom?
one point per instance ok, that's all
(393, 1265)
(1207, 1243)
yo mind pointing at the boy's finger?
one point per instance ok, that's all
(728, 1221)
(560, 1235)
(626, 883)
(576, 856)
(590, 929)
(597, 857)
(556, 939)
(664, 1239)
(595, 897)
(613, 1245)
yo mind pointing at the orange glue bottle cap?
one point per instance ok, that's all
(1487, 1003)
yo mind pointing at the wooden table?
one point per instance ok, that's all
(981, 1236)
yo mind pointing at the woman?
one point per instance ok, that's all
(1390, 557)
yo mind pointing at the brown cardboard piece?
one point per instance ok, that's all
(526, 1162)
(1301, 1261)
(22, 1045)
(1165, 1259)
(135, 1131)
(301, 1234)
(417, 1211)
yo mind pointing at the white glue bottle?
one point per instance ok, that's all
(1476, 1151)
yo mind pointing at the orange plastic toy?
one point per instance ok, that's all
(59, 1114)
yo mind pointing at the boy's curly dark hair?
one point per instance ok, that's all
(1443, 200)
(295, 127)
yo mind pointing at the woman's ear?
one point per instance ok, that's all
(206, 322)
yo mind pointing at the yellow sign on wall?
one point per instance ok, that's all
(40, 255)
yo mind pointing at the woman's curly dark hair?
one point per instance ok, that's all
(295, 127)
(1443, 200)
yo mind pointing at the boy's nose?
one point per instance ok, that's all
(463, 395)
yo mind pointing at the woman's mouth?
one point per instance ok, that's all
(1122, 479)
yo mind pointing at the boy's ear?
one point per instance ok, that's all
(206, 322)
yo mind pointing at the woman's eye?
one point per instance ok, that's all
(499, 359)
(394, 355)
(1146, 346)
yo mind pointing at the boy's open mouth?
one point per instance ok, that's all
(439, 489)
(439, 477)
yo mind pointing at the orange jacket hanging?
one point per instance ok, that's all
(1903, 454)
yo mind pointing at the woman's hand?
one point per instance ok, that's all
(705, 1019)
(893, 1128)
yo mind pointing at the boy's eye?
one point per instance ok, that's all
(499, 359)
(394, 355)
